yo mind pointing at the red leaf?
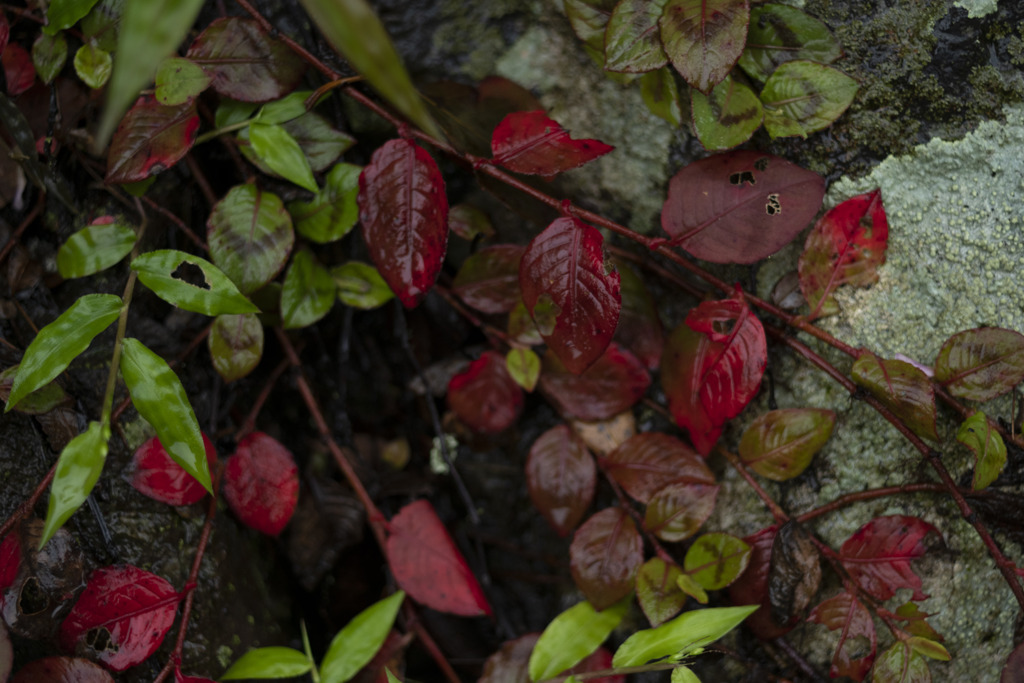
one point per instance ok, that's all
(560, 475)
(845, 246)
(605, 554)
(181, 678)
(530, 142)
(18, 69)
(614, 383)
(678, 510)
(121, 617)
(878, 555)
(740, 207)
(261, 483)
(572, 298)
(61, 670)
(428, 566)
(10, 560)
(151, 138)
(162, 479)
(484, 396)
(650, 461)
(752, 586)
(489, 279)
(404, 212)
(982, 363)
(5, 31)
(844, 613)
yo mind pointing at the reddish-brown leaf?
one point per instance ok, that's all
(858, 642)
(261, 483)
(560, 475)
(428, 566)
(648, 462)
(605, 555)
(614, 383)
(156, 475)
(740, 207)
(678, 510)
(572, 297)
(752, 586)
(878, 555)
(982, 363)
(151, 138)
(10, 560)
(484, 396)
(18, 69)
(903, 388)
(62, 670)
(121, 617)
(489, 279)
(404, 213)
(795, 573)
(530, 142)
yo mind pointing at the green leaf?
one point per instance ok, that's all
(803, 97)
(289, 107)
(572, 636)
(682, 674)
(780, 444)
(391, 677)
(589, 21)
(658, 592)
(157, 394)
(95, 247)
(308, 292)
(900, 664)
(780, 33)
(631, 42)
(236, 345)
(360, 285)
(684, 635)
(163, 271)
(62, 14)
(180, 80)
(49, 53)
(661, 95)
(78, 468)
(42, 400)
(250, 237)
(229, 112)
(689, 585)
(333, 212)
(62, 341)
(929, 648)
(268, 662)
(279, 150)
(356, 32)
(704, 38)
(93, 65)
(716, 560)
(320, 142)
(100, 26)
(727, 117)
(987, 445)
(524, 366)
(357, 643)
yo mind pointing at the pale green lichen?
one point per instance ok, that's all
(978, 8)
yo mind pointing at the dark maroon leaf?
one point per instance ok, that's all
(795, 573)
(156, 475)
(489, 279)
(151, 138)
(605, 555)
(10, 560)
(62, 670)
(648, 462)
(703, 40)
(903, 388)
(678, 510)
(569, 292)
(261, 483)
(857, 639)
(404, 213)
(740, 207)
(18, 69)
(484, 396)
(1013, 671)
(560, 476)
(614, 383)
(982, 363)
(5, 31)
(878, 555)
(530, 142)
(121, 618)
(428, 566)
(752, 586)
(639, 328)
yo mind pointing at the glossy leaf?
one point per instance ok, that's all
(428, 566)
(156, 475)
(165, 271)
(523, 366)
(561, 476)
(404, 213)
(279, 150)
(308, 292)
(529, 142)
(319, 140)
(93, 65)
(572, 636)
(704, 38)
(49, 54)
(780, 444)
(268, 662)
(61, 670)
(780, 33)
(179, 81)
(250, 236)
(360, 285)
(95, 247)
(639, 328)
(752, 586)
(648, 462)
(467, 222)
(357, 643)
(129, 608)
(333, 212)
(716, 560)
(484, 396)
(846, 246)
(632, 40)
(604, 556)
(857, 639)
(236, 345)
(740, 207)
(804, 97)
(900, 664)
(489, 279)
(727, 116)
(687, 634)
(78, 468)
(878, 555)
(987, 445)
(261, 483)
(60, 342)
(982, 363)
(678, 510)
(657, 590)
(159, 397)
(795, 573)
(589, 21)
(929, 648)
(660, 93)
(564, 281)
(19, 72)
(62, 14)
(902, 388)
(150, 139)
(611, 385)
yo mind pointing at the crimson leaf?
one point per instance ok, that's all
(560, 476)
(647, 462)
(151, 138)
(878, 555)
(530, 142)
(156, 475)
(612, 384)
(844, 613)
(484, 395)
(261, 483)
(605, 554)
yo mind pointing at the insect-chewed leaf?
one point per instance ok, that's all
(726, 117)
(658, 592)
(739, 207)
(795, 573)
(333, 212)
(613, 384)
(904, 389)
(151, 138)
(404, 212)
(360, 285)
(179, 81)
(428, 566)
(530, 142)
(704, 38)
(484, 396)
(132, 608)
(632, 42)
(901, 664)
(62, 670)
(560, 475)
(78, 468)
(987, 445)
(250, 236)
(846, 614)
(167, 273)
(752, 586)
(982, 363)
(686, 634)
(571, 637)
(878, 555)
(573, 299)
(156, 475)
(845, 246)
(678, 510)
(803, 97)
(357, 643)
(716, 560)
(236, 345)
(639, 328)
(308, 292)
(779, 445)
(49, 54)
(19, 72)
(604, 556)
(95, 247)
(489, 279)
(780, 33)
(648, 462)
(261, 483)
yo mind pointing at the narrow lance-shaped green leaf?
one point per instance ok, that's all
(573, 635)
(78, 468)
(62, 341)
(357, 643)
(279, 150)
(95, 247)
(157, 394)
(268, 662)
(686, 634)
(165, 271)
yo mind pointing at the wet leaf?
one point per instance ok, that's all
(857, 639)
(987, 445)
(523, 366)
(726, 117)
(467, 222)
(49, 54)
(93, 65)
(489, 279)
(982, 363)
(900, 664)
(62, 14)
(151, 138)
(250, 236)
(632, 39)
(268, 662)
(678, 510)
(360, 285)
(404, 213)
(529, 142)
(236, 345)
(780, 444)
(648, 462)
(308, 292)
(902, 388)
(661, 95)
(572, 636)
(804, 97)
(589, 20)
(333, 212)
(179, 81)
(61, 670)
(639, 328)
(261, 483)
(357, 643)
(795, 573)
(716, 560)
(687, 634)
(281, 153)
(95, 247)
(704, 39)
(10, 560)
(560, 476)
(604, 556)
(428, 566)
(740, 207)
(846, 246)
(611, 385)
(657, 590)
(165, 271)
(78, 468)
(564, 281)
(484, 396)
(878, 555)
(752, 586)
(320, 142)
(19, 72)
(780, 33)
(156, 475)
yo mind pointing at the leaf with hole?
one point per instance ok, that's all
(604, 556)
(561, 476)
(150, 139)
(727, 116)
(795, 573)
(268, 662)
(780, 444)
(902, 388)
(49, 54)
(156, 475)
(95, 247)
(179, 81)
(804, 97)
(523, 366)
(529, 142)
(639, 328)
(236, 345)
(78, 469)
(877, 556)
(857, 639)
(716, 560)
(982, 363)
(658, 592)
(648, 462)
(167, 272)
(704, 38)
(489, 279)
(611, 385)
(308, 292)
(687, 634)
(250, 236)
(333, 212)
(780, 33)
(93, 65)
(356, 644)
(987, 445)
(281, 153)
(632, 40)
(261, 483)
(572, 636)
(360, 285)
(484, 396)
